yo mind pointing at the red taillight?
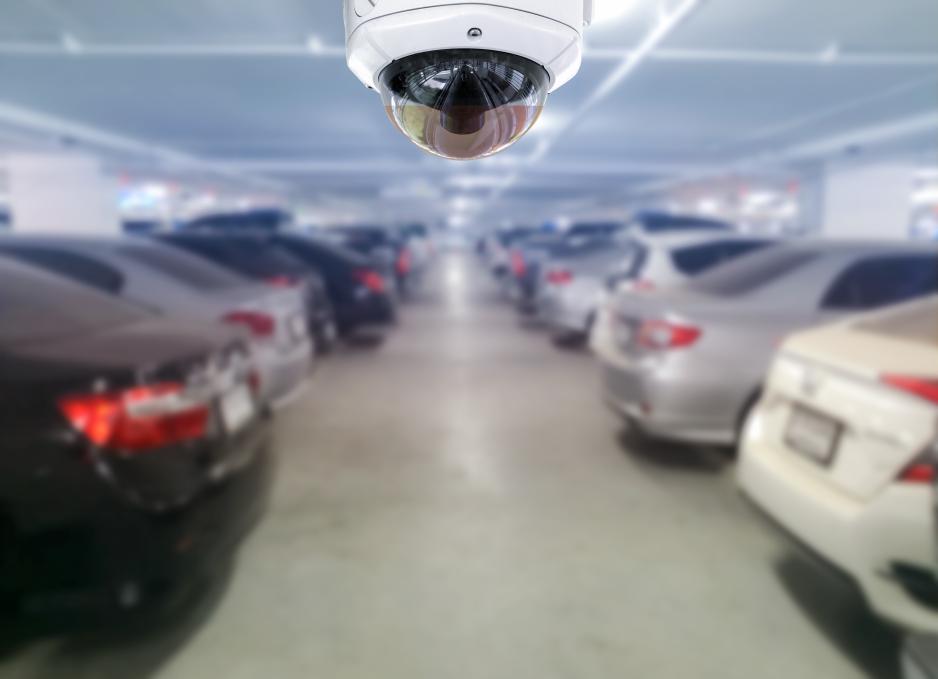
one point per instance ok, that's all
(923, 387)
(261, 325)
(559, 277)
(404, 262)
(667, 335)
(371, 280)
(518, 267)
(918, 472)
(139, 419)
(281, 282)
(643, 285)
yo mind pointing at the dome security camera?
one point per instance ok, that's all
(464, 80)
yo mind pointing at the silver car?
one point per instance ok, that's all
(175, 283)
(688, 364)
(574, 287)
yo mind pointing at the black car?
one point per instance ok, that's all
(388, 252)
(360, 295)
(134, 453)
(255, 257)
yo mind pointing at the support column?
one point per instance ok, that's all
(872, 201)
(62, 194)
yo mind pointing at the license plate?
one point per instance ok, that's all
(237, 409)
(813, 435)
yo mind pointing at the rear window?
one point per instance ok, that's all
(85, 270)
(880, 281)
(696, 259)
(252, 257)
(666, 223)
(37, 306)
(183, 268)
(752, 273)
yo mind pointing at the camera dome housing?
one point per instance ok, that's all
(464, 80)
(463, 104)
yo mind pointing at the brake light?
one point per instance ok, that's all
(643, 285)
(923, 387)
(281, 282)
(139, 419)
(667, 335)
(371, 280)
(260, 325)
(918, 472)
(559, 277)
(404, 262)
(518, 267)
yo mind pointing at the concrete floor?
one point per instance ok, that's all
(456, 503)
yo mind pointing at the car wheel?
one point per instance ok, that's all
(328, 336)
(571, 339)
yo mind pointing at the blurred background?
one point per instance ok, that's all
(654, 391)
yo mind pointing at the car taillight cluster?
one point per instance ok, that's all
(659, 335)
(370, 280)
(281, 282)
(518, 267)
(138, 420)
(260, 325)
(642, 285)
(404, 262)
(923, 387)
(559, 277)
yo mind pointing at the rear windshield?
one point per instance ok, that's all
(186, 269)
(918, 323)
(252, 257)
(666, 223)
(696, 259)
(752, 273)
(36, 306)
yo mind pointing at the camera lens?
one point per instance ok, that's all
(464, 104)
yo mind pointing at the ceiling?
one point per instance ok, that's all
(256, 93)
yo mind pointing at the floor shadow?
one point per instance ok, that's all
(118, 646)
(365, 340)
(839, 613)
(679, 457)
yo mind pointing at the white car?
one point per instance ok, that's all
(840, 452)
(575, 286)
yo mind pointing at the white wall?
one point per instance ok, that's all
(60, 194)
(868, 201)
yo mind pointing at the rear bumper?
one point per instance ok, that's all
(98, 539)
(565, 313)
(370, 310)
(863, 539)
(671, 406)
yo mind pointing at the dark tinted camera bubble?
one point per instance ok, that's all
(464, 104)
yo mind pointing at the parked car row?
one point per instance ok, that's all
(139, 376)
(816, 360)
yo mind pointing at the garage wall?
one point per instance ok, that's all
(60, 194)
(868, 201)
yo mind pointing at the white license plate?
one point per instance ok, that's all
(237, 409)
(813, 435)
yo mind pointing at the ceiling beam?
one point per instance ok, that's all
(60, 129)
(69, 47)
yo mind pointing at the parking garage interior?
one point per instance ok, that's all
(453, 493)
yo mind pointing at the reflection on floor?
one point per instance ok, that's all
(455, 502)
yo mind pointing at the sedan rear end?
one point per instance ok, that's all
(135, 450)
(841, 452)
